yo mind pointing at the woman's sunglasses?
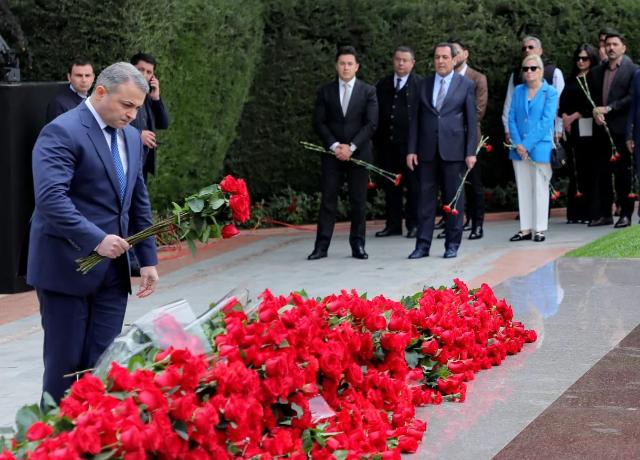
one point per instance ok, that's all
(532, 68)
(583, 58)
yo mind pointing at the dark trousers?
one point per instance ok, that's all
(334, 173)
(394, 159)
(434, 176)
(78, 329)
(474, 191)
(605, 172)
(580, 166)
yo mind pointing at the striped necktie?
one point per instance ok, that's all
(117, 163)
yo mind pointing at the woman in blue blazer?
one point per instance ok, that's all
(531, 124)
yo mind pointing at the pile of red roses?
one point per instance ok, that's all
(239, 202)
(336, 378)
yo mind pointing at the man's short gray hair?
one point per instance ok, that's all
(120, 73)
(532, 38)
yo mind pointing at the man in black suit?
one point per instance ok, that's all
(153, 115)
(80, 78)
(397, 96)
(442, 141)
(345, 118)
(611, 84)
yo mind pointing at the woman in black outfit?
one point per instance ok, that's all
(576, 112)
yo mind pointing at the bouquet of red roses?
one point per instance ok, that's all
(210, 213)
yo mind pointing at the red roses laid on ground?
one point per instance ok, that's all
(333, 378)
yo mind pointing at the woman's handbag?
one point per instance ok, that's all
(558, 156)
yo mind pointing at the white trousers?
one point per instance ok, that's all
(532, 180)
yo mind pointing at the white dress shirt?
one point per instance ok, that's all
(122, 147)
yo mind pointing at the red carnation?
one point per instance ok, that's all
(240, 207)
(232, 185)
(579, 194)
(38, 431)
(371, 185)
(632, 196)
(398, 180)
(488, 147)
(229, 231)
(447, 209)
(454, 212)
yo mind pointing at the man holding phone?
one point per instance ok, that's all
(153, 115)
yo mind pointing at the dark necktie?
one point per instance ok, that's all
(398, 83)
(117, 163)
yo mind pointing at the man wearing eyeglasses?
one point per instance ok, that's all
(532, 46)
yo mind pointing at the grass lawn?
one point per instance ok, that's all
(617, 244)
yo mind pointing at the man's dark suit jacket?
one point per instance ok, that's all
(152, 116)
(386, 96)
(65, 100)
(452, 131)
(356, 127)
(620, 94)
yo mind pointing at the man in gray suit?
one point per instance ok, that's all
(442, 142)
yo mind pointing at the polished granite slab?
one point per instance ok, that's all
(582, 309)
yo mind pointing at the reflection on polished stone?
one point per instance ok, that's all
(581, 309)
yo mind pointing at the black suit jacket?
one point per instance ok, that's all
(152, 116)
(385, 90)
(620, 94)
(356, 127)
(452, 131)
(65, 100)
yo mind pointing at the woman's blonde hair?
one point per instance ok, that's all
(538, 60)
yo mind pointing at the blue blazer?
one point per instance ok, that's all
(77, 203)
(452, 131)
(532, 123)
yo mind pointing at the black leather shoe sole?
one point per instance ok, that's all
(359, 255)
(476, 234)
(386, 232)
(315, 255)
(539, 237)
(622, 222)
(450, 254)
(419, 253)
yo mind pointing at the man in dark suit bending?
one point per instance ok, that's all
(80, 78)
(345, 118)
(89, 196)
(442, 142)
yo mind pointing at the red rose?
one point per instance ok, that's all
(231, 185)
(447, 209)
(454, 212)
(371, 185)
(229, 231)
(240, 207)
(430, 347)
(38, 431)
(488, 147)
(579, 194)
(398, 180)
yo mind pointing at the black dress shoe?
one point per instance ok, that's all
(601, 221)
(520, 237)
(440, 224)
(412, 233)
(450, 253)
(441, 235)
(539, 237)
(622, 222)
(357, 252)
(317, 254)
(476, 233)
(419, 253)
(389, 232)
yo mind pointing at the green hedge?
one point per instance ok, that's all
(207, 51)
(300, 42)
